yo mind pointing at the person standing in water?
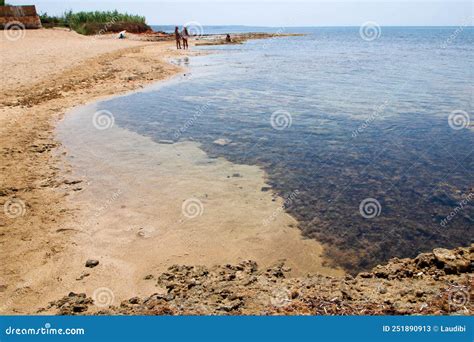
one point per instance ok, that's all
(185, 36)
(177, 35)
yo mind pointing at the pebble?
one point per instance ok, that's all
(92, 263)
(222, 142)
(165, 142)
(83, 275)
(419, 293)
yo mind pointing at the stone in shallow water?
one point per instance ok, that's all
(222, 142)
(169, 142)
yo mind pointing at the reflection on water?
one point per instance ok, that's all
(352, 120)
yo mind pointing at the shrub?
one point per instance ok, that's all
(97, 22)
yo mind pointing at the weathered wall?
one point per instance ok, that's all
(26, 15)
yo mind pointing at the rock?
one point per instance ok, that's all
(294, 294)
(243, 289)
(228, 305)
(134, 300)
(452, 261)
(222, 142)
(424, 260)
(92, 263)
(365, 275)
(72, 303)
(83, 275)
(346, 294)
(148, 277)
(79, 308)
(443, 255)
(72, 182)
(277, 270)
(381, 272)
(419, 275)
(419, 293)
(167, 142)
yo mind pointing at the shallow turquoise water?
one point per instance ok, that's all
(369, 119)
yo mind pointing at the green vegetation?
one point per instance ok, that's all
(50, 21)
(96, 22)
(76, 19)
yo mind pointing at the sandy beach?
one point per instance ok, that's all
(51, 187)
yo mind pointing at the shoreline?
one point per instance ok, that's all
(35, 180)
(136, 220)
(36, 174)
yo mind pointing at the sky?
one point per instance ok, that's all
(278, 13)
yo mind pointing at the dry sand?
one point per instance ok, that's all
(127, 210)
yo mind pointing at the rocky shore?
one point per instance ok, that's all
(436, 283)
(220, 39)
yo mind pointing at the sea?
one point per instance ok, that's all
(366, 132)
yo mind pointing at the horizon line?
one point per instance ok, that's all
(309, 26)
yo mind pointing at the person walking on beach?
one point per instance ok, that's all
(177, 35)
(185, 36)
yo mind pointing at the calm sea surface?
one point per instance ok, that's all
(357, 134)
